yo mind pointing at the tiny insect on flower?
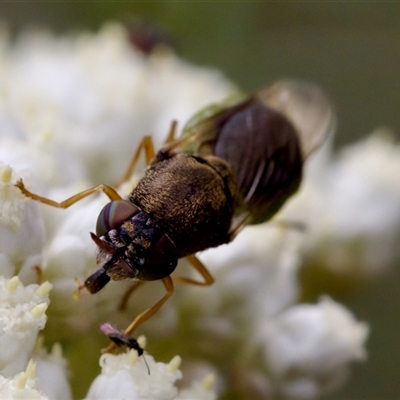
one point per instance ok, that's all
(120, 339)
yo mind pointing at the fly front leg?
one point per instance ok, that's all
(172, 144)
(109, 191)
(146, 146)
(172, 132)
(169, 286)
(146, 314)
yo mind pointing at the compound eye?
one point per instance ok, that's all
(113, 215)
(161, 261)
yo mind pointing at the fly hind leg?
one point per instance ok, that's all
(148, 313)
(201, 269)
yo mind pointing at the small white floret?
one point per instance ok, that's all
(22, 315)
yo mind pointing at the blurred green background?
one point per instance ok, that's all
(352, 49)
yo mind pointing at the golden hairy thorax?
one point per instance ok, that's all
(192, 200)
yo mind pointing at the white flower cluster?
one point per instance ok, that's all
(364, 235)
(72, 112)
(22, 315)
(124, 376)
(29, 373)
(309, 362)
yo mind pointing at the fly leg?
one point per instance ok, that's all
(238, 224)
(169, 286)
(109, 191)
(201, 269)
(146, 314)
(294, 225)
(171, 145)
(146, 146)
(172, 132)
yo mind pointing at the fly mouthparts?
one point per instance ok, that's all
(97, 281)
(101, 245)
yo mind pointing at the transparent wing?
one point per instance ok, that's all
(307, 107)
(200, 133)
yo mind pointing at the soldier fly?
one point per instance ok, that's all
(236, 163)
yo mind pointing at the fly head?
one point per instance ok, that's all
(131, 246)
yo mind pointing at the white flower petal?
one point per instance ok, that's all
(51, 375)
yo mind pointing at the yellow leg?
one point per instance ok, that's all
(171, 133)
(146, 314)
(199, 267)
(173, 144)
(290, 224)
(238, 224)
(109, 191)
(145, 145)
